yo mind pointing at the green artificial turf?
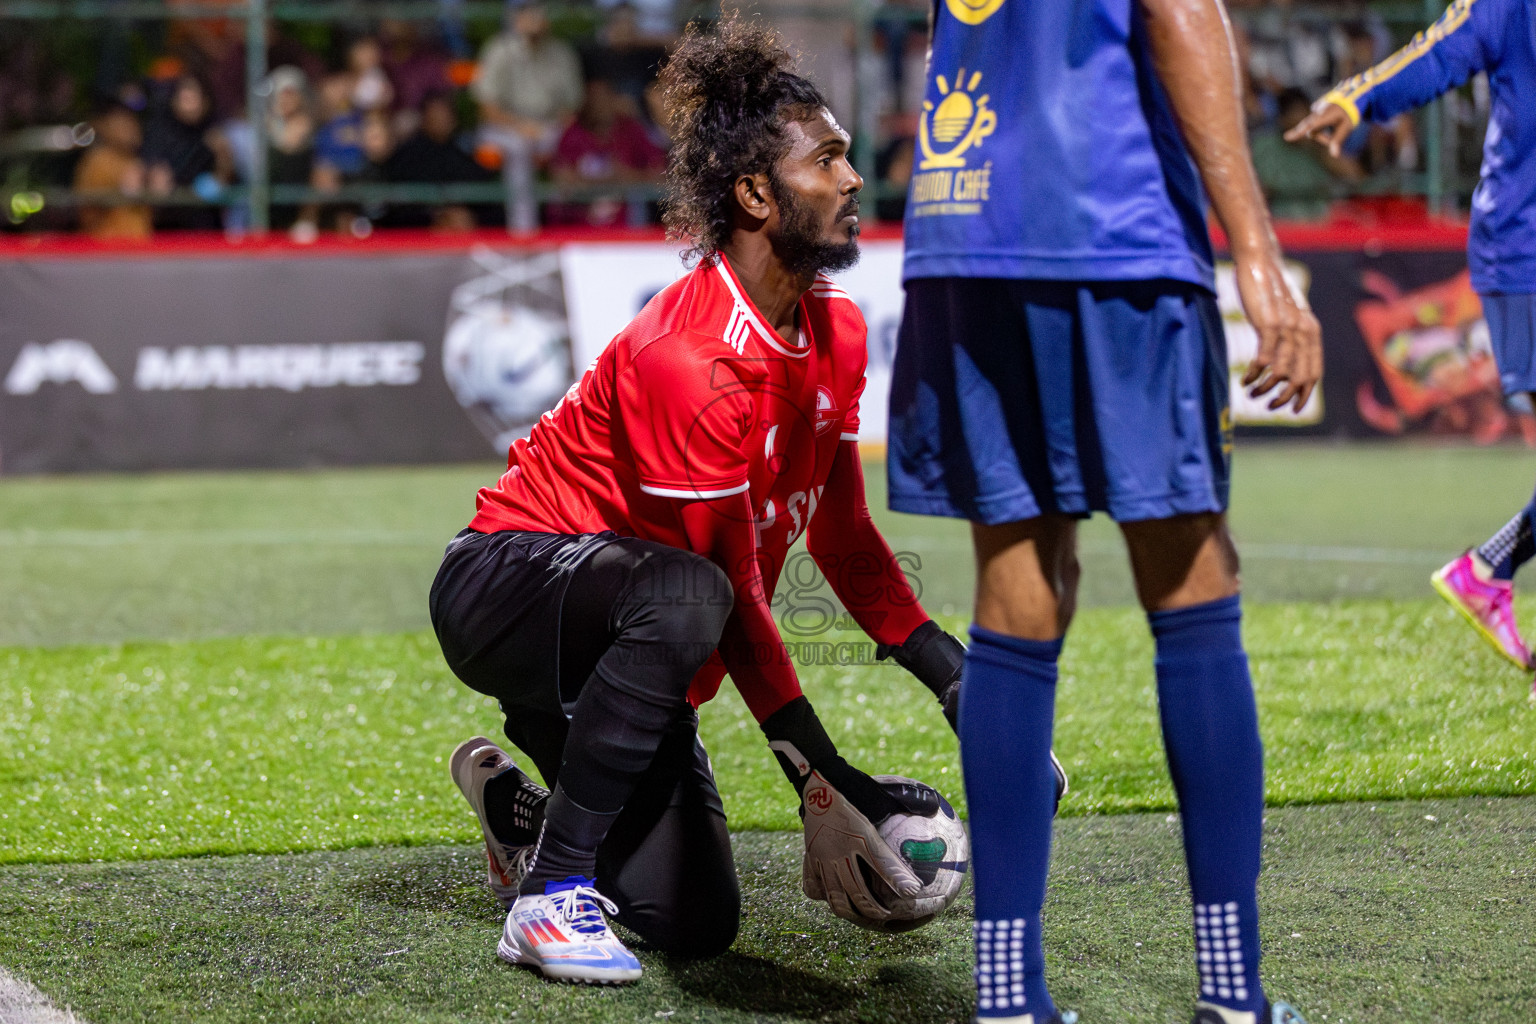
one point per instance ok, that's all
(239, 663)
(105, 558)
(1373, 914)
(274, 744)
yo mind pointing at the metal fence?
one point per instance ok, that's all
(1444, 183)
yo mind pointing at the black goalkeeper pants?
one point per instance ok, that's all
(535, 620)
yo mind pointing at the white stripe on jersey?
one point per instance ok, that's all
(826, 288)
(744, 310)
(686, 492)
(737, 329)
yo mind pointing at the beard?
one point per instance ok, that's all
(802, 245)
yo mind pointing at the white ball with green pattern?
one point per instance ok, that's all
(937, 850)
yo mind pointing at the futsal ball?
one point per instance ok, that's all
(936, 849)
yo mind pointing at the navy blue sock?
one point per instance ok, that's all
(1006, 710)
(1211, 731)
(1512, 546)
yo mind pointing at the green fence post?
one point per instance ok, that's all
(256, 113)
(1434, 137)
(864, 125)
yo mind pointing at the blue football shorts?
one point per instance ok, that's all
(1013, 399)
(1512, 332)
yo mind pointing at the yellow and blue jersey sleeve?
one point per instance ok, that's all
(1468, 38)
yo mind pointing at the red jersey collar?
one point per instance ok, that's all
(748, 312)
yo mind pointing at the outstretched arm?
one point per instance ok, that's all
(754, 654)
(1191, 45)
(1467, 39)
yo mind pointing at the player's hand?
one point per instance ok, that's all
(842, 808)
(840, 840)
(1290, 353)
(1328, 123)
(937, 659)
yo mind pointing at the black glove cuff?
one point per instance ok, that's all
(933, 656)
(802, 745)
(902, 652)
(796, 725)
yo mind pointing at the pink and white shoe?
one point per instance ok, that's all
(1487, 604)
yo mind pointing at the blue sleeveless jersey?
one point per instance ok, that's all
(1047, 149)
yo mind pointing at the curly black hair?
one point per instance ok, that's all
(729, 93)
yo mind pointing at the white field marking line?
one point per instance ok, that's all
(22, 1003)
(253, 538)
(1324, 553)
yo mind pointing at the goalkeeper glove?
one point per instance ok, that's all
(842, 809)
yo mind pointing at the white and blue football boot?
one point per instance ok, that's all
(1059, 1017)
(474, 762)
(562, 932)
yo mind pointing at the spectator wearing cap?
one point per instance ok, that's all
(528, 86)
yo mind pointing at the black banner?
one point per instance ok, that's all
(1406, 349)
(151, 361)
(179, 363)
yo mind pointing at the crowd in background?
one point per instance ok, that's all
(563, 112)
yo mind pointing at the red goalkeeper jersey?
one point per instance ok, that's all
(698, 399)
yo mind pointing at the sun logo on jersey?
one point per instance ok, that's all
(973, 12)
(959, 122)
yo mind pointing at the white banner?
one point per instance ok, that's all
(1243, 345)
(606, 284)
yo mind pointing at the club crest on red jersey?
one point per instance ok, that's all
(826, 411)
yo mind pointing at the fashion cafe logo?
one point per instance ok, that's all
(948, 132)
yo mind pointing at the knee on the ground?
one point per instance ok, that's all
(706, 926)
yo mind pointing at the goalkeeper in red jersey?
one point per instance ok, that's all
(626, 560)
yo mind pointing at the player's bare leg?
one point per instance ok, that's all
(1026, 587)
(1183, 561)
(1026, 576)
